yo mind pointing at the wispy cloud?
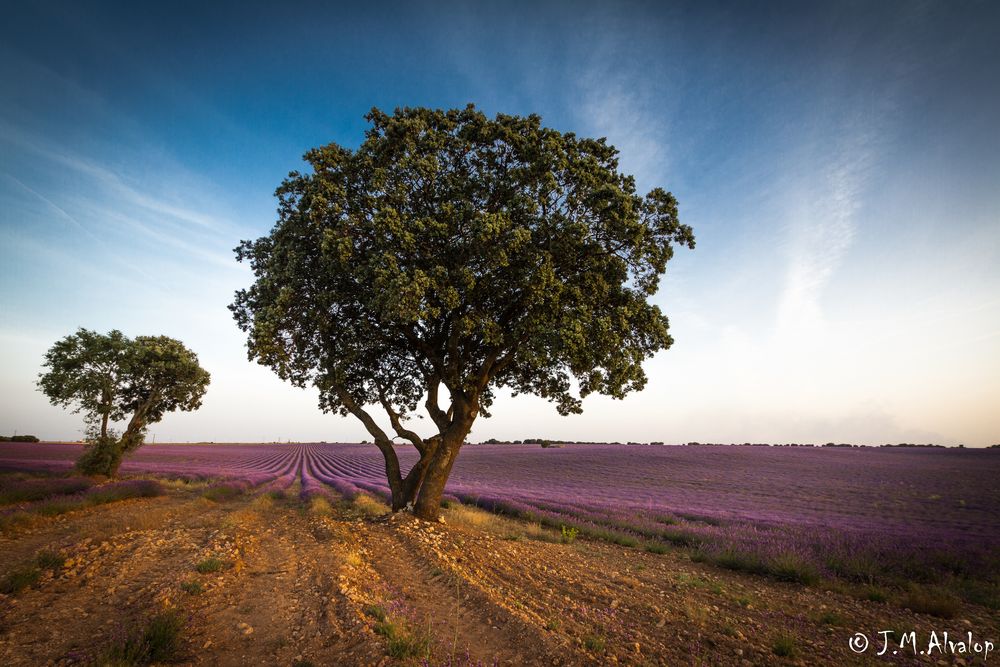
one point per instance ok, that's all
(821, 228)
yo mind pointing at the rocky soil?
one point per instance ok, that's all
(344, 584)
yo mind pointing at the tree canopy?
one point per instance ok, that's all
(109, 377)
(453, 250)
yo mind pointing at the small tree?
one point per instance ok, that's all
(451, 250)
(109, 377)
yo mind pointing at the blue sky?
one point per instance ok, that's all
(839, 162)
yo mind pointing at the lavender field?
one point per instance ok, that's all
(871, 516)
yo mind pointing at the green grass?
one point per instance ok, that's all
(400, 643)
(931, 600)
(49, 560)
(656, 547)
(595, 643)
(784, 646)
(875, 594)
(376, 612)
(222, 493)
(158, 641)
(19, 579)
(210, 565)
(192, 587)
(568, 534)
(832, 618)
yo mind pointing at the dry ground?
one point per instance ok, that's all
(345, 584)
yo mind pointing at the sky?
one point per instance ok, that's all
(839, 163)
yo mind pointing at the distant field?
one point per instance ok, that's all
(869, 516)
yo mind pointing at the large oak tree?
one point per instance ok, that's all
(451, 255)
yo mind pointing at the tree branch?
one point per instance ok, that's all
(439, 417)
(401, 431)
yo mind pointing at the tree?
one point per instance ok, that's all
(455, 253)
(109, 377)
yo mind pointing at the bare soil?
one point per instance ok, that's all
(321, 585)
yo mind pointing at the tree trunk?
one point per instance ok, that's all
(438, 469)
(104, 425)
(114, 463)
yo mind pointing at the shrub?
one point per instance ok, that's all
(931, 600)
(37, 489)
(874, 594)
(158, 641)
(784, 646)
(792, 568)
(192, 587)
(101, 455)
(135, 488)
(568, 534)
(19, 579)
(210, 565)
(49, 560)
(594, 643)
(655, 548)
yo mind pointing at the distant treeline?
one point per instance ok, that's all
(544, 442)
(18, 438)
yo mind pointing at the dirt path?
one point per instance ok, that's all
(465, 622)
(332, 586)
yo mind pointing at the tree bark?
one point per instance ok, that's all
(115, 463)
(439, 466)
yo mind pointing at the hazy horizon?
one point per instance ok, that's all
(839, 163)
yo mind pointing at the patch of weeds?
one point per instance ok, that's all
(793, 569)
(655, 547)
(276, 495)
(134, 488)
(376, 612)
(57, 507)
(832, 618)
(158, 641)
(321, 506)
(553, 624)
(436, 572)
(784, 646)
(15, 520)
(192, 587)
(302, 663)
(210, 565)
(568, 534)
(728, 630)
(19, 579)
(406, 645)
(595, 643)
(982, 593)
(400, 643)
(875, 594)
(743, 602)
(369, 506)
(222, 493)
(50, 560)
(38, 489)
(679, 538)
(931, 600)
